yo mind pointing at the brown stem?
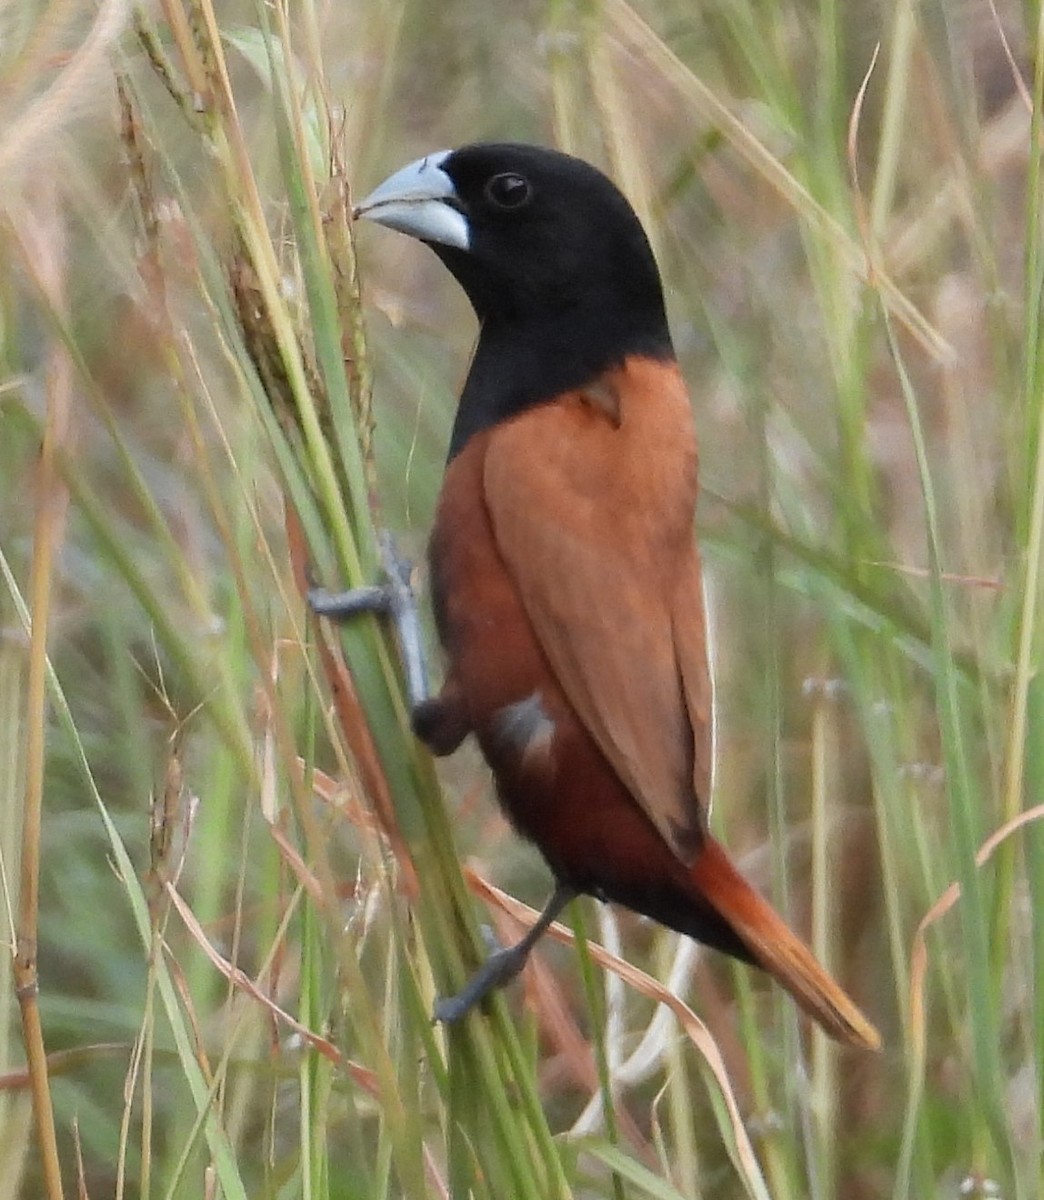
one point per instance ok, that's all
(41, 242)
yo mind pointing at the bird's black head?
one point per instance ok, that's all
(553, 258)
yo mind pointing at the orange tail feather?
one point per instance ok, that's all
(778, 950)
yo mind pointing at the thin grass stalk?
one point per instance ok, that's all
(823, 1063)
(597, 1009)
(768, 1130)
(845, 335)
(822, 177)
(259, 238)
(388, 725)
(147, 1086)
(915, 1133)
(985, 1036)
(222, 1157)
(170, 822)
(1030, 524)
(899, 59)
(684, 1162)
(117, 551)
(1026, 656)
(768, 63)
(1034, 857)
(636, 34)
(643, 1181)
(129, 1086)
(1033, 769)
(979, 998)
(829, 111)
(179, 22)
(221, 705)
(15, 1143)
(1028, 640)
(313, 1073)
(242, 188)
(322, 298)
(404, 1017)
(564, 42)
(873, 676)
(954, 729)
(52, 501)
(310, 1069)
(779, 1153)
(764, 563)
(797, 1151)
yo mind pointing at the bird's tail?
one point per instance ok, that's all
(778, 950)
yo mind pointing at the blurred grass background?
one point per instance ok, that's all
(857, 307)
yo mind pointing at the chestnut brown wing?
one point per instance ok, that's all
(592, 510)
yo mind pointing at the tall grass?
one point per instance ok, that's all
(234, 881)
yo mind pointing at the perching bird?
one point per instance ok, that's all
(566, 579)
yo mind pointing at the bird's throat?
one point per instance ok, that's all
(519, 365)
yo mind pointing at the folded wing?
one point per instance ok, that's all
(592, 508)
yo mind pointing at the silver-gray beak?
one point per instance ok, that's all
(419, 200)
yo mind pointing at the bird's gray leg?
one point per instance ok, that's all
(442, 722)
(502, 965)
(393, 599)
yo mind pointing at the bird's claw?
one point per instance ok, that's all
(503, 964)
(392, 598)
(496, 972)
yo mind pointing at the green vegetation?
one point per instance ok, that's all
(248, 894)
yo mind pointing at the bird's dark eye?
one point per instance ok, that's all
(508, 190)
